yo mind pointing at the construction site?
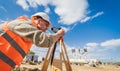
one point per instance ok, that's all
(59, 35)
(32, 62)
(75, 66)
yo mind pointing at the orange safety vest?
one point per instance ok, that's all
(13, 48)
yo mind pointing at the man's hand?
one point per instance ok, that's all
(59, 34)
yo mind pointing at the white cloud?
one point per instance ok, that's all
(85, 19)
(97, 14)
(95, 50)
(26, 4)
(69, 11)
(66, 29)
(41, 52)
(101, 50)
(103, 46)
(91, 17)
(47, 10)
(23, 3)
(91, 46)
(114, 43)
(4, 9)
(2, 21)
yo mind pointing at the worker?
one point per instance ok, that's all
(17, 36)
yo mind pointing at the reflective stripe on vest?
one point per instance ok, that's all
(6, 59)
(13, 49)
(14, 44)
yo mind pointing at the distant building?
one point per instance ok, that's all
(32, 58)
(78, 61)
(91, 62)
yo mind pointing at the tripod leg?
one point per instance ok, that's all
(47, 59)
(53, 52)
(57, 65)
(68, 62)
(46, 62)
(61, 50)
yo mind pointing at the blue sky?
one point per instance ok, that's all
(91, 24)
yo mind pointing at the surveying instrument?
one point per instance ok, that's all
(56, 64)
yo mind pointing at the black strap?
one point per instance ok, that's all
(14, 44)
(7, 59)
(53, 53)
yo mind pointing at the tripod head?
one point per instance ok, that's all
(55, 29)
(57, 64)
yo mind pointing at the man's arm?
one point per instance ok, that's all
(26, 30)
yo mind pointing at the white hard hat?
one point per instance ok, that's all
(43, 15)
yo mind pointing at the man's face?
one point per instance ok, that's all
(42, 24)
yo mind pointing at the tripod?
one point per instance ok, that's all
(56, 65)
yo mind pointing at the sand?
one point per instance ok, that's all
(85, 67)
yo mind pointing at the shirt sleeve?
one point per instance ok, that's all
(26, 30)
